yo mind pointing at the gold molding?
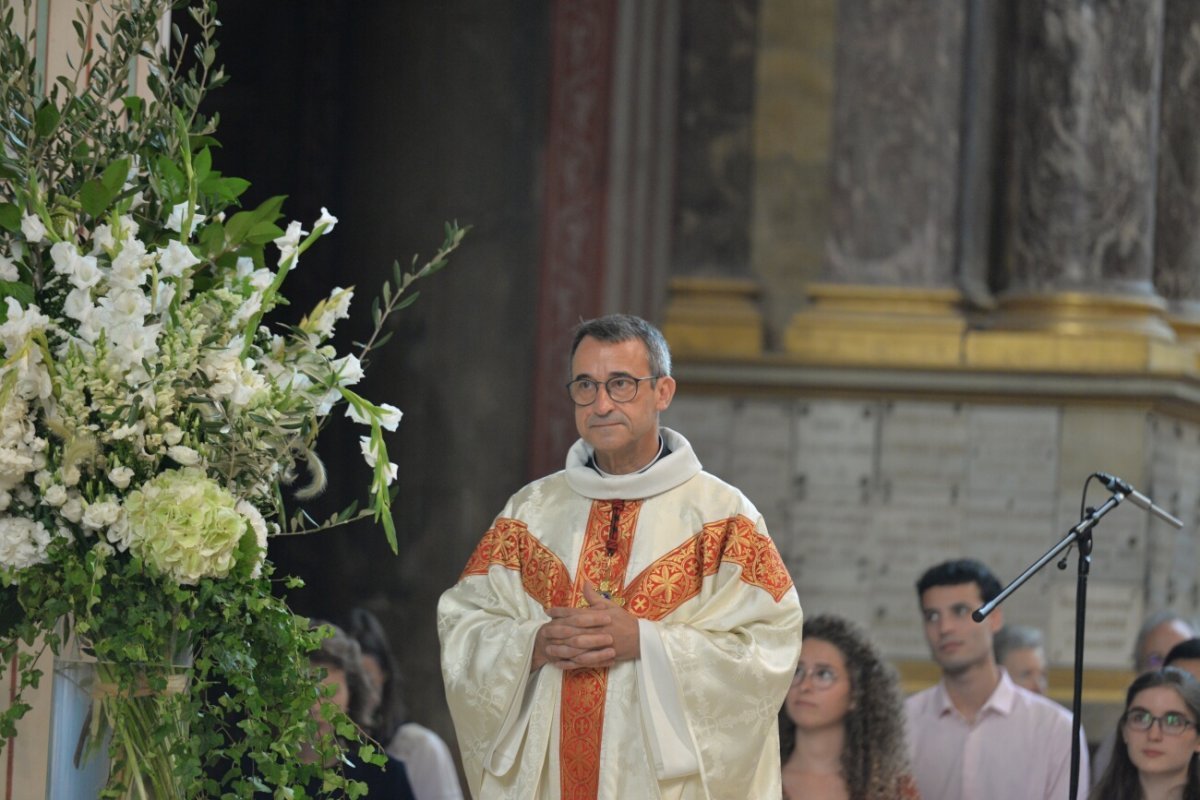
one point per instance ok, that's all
(1079, 332)
(894, 326)
(711, 317)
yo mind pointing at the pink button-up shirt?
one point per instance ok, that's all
(1018, 748)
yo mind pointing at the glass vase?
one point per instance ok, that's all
(115, 725)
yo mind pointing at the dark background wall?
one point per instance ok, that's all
(399, 116)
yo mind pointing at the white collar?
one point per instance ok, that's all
(664, 473)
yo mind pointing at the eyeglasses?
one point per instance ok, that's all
(1171, 723)
(620, 388)
(822, 676)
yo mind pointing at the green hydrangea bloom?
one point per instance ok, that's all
(185, 525)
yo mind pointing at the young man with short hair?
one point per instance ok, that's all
(976, 735)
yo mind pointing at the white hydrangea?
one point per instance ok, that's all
(23, 542)
(259, 526)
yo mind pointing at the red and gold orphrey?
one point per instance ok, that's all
(654, 593)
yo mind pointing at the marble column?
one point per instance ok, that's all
(1177, 234)
(712, 305)
(1080, 237)
(890, 292)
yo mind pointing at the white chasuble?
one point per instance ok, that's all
(719, 624)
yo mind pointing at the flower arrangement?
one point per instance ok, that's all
(155, 430)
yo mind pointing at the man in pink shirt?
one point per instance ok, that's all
(976, 735)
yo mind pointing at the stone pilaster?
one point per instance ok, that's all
(711, 279)
(1177, 235)
(895, 189)
(1080, 238)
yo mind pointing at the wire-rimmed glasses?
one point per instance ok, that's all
(620, 388)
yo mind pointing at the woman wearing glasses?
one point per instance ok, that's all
(841, 729)
(1157, 741)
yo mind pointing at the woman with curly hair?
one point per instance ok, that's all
(841, 729)
(1154, 757)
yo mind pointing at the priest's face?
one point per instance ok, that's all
(624, 435)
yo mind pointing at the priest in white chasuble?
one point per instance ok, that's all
(626, 628)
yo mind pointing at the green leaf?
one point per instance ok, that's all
(114, 175)
(11, 612)
(264, 232)
(23, 292)
(135, 105)
(202, 164)
(46, 119)
(95, 197)
(10, 217)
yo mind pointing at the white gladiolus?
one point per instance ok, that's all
(32, 228)
(326, 219)
(178, 214)
(176, 259)
(8, 270)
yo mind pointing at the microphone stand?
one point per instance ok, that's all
(1080, 535)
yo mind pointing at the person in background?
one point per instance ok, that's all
(340, 659)
(1160, 631)
(976, 734)
(1156, 741)
(841, 728)
(430, 765)
(1185, 656)
(1020, 650)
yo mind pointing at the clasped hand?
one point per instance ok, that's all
(597, 636)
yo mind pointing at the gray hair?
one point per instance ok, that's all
(1016, 637)
(616, 328)
(1152, 621)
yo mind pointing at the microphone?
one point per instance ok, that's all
(1118, 486)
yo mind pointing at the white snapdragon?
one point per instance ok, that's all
(371, 457)
(348, 369)
(389, 415)
(329, 312)
(289, 242)
(32, 228)
(326, 219)
(23, 542)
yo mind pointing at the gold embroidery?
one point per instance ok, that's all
(657, 591)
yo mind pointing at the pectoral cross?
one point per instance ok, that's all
(609, 590)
